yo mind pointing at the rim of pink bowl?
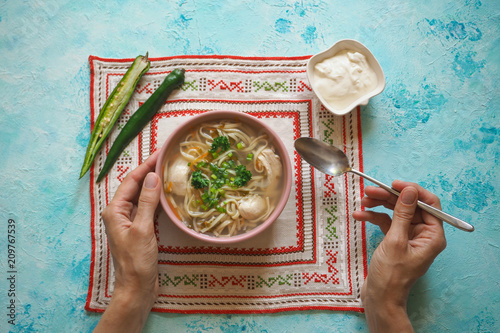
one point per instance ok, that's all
(256, 123)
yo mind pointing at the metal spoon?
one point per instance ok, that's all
(333, 162)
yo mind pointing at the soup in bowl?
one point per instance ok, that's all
(226, 176)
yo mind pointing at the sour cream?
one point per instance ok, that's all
(344, 78)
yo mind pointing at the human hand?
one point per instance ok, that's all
(132, 241)
(413, 240)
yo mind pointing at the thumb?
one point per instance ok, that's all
(148, 200)
(403, 213)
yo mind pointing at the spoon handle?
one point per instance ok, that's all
(457, 223)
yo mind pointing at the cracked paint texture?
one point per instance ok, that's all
(436, 123)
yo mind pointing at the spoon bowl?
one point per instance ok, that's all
(327, 159)
(332, 161)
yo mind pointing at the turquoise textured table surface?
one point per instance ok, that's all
(436, 123)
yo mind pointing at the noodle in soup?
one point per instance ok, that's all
(224, 179)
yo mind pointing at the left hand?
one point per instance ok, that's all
(129, 225)
(129, 221)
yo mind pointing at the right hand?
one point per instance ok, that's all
(413, 239)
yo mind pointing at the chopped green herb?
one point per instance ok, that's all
(243, 176)
(229, 173)
(198, 181)
(220, 142)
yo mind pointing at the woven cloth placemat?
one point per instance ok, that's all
(313, 257)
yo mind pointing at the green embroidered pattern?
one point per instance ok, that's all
(270, 87)
(281, 280)
(330, 193)
(176, 280)
(330, 220)
(194, 85)
(328, 132)
(190, 85)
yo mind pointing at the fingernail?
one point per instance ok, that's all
(151, 180)
(409, 196)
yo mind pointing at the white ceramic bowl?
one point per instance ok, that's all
(352, 45)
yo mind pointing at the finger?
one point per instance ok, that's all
(383, 221)
(148, 201)
(381, 194)
(424, 196)
(372, 203)
(377, 193)
(131, 185)
(117, 212)
(404, 212)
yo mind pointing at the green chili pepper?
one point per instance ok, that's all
(112, 109)
(141, 117)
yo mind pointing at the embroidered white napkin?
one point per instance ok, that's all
(312, 257)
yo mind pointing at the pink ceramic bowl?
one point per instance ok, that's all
(254, 122)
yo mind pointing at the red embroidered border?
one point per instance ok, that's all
(92, 203)
(228, 250)
(232, 57)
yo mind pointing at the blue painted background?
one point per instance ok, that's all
(436, 123)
